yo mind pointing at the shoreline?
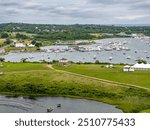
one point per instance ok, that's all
(44, 81)
(63, 96)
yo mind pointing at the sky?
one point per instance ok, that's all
(75, 11)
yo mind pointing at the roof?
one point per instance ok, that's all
(145, 66)
(63, 59)
(127, 66)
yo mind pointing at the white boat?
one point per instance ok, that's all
(110, 58)
(94, 57)
(147, 56)
(145, 51)
(128, 57)
(49, 109)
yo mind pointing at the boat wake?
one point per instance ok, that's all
(19, 104)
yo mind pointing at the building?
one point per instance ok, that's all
(64, 62)
(20, 45)
(141, 66)
(137, 66)
(30, 45)
(2, 51)
(128, 68)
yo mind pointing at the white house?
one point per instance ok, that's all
(141, 66)
(128, 68)
(64, 62)
(2, 51)
(31, 45)
(20, 45)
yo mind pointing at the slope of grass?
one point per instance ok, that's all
(34, 79)
(139, 78)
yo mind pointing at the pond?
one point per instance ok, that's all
(9, 104)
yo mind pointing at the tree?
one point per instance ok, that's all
(38, 44)
(23, 60)
(97, 62)
(21, 36)
(2, 59)
(4, 35)
(33, 42)
(8, 41)
(142, 61)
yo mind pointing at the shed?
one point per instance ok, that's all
(64, 62)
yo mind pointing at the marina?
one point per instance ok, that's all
(114, 50)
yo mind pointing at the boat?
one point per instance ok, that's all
(49, 109)
(108, 49)
(145, 51)
(58, 105)
(128, 57)
(110, 58)
(94, 57)
(147, 56)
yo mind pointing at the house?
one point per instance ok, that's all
(31, 45)
(141, 66)
(64, 62)
(20, 45)
(128, 68)
(2, 51)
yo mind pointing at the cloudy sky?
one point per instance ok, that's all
(75, 11)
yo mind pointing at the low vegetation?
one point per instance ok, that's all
(36, 79)
(139, 78)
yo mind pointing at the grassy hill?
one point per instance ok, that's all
(36, 79)
(139, 78)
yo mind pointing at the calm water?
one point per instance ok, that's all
(141, 46)
(40, 105)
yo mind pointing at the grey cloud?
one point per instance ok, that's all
(114, 1)
(92, 11)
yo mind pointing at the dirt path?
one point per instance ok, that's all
(102, 80)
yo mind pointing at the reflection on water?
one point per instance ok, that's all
(40, 105)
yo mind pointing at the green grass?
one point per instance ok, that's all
(139, 78)
(35, 79)
(146, 111)
(14, 67)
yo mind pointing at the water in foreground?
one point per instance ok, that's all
(41, 104)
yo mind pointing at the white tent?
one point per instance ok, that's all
(128, 68)
(141, 66)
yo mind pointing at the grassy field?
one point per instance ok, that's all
(146, 111)
(139, 78)
(35, 79)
